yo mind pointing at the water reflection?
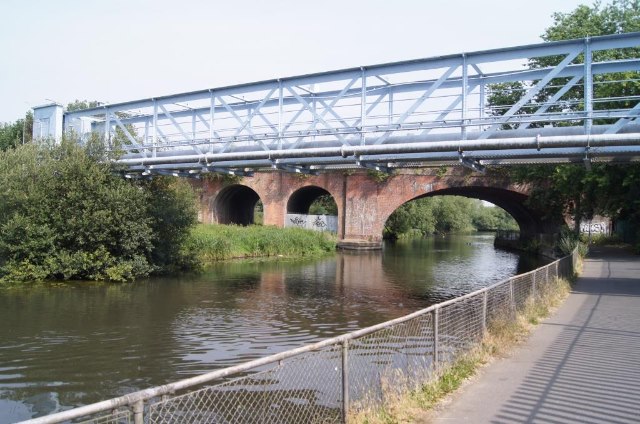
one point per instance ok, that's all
(74, 344)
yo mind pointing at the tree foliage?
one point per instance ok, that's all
(66, 215)
(17, 133)
(572, 190)
(82, 104)
(324, 205)
(611, 91)
(446, 214)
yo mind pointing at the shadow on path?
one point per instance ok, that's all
(590, 372)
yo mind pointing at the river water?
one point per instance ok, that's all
(70, 344)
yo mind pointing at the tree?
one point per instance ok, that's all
(65, 214)
(610, 91)
(446, 214)
(82, 105)
(20, 132)
(172, 209)
(571, 189)
(324, 205)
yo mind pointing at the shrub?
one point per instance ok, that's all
(66, 214)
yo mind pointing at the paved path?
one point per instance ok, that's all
(580, 366)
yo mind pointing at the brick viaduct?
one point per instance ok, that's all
(364, 204)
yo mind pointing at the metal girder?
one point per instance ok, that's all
(294, 169)
(374, 166)
(227, 171)
(514, 109)
(473, 164)
(400, 104)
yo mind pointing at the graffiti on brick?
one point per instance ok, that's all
(313, 222)
(594, 227)
(298, 221)
(319, 222)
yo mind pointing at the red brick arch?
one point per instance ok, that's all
(364, 204)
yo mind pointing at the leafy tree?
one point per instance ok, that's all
(417, 215)
(172, 209)
(571, 189)
(610, 91)
(324, 205)
(64, 214)
(82, 104)
(446, 214)
(492, 219)
(20, 132)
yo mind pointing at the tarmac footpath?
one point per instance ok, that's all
(582, 365)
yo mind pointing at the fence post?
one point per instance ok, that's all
(345, 381)
(534, 294)
(511, 296)
(485, 298)
(138, 412)
(436, 319)
(546, 277)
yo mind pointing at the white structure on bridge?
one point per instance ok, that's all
(414, 113)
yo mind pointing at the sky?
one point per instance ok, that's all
(118, 50)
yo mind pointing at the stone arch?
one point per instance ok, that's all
(301, 200)
(235, 204)
(512, 201)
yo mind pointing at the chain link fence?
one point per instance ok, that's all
(326, 381)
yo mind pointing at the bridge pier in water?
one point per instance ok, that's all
(364, 202)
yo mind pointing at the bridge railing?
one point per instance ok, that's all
(536, 89)
(330, 380)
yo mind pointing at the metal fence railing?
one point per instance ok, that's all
(326, 381)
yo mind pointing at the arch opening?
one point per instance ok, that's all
(312, 200)
(457, 210)
(313, 208)
(236, 204)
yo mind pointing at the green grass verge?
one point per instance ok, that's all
(502, 336)
(218, 242)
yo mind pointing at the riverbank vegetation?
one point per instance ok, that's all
(446, 214)
(217, 242)
(66, 213)
(503, 335)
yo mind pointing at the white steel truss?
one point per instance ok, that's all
(351, 113)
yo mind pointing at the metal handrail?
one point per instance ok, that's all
(136, 399)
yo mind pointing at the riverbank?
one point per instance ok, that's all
(127, 337)
(581, 365)
(212, 242)
(502, 337)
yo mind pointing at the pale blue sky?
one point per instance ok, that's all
(117, 50)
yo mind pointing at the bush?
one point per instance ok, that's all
(65, 214)
(567, 242)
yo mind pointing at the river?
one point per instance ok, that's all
(69, 344)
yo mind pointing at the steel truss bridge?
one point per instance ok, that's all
(426, 112)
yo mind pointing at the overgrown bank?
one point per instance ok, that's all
(66, 213)
(503, 334)
(217, 242)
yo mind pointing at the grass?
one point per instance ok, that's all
(503, 335)
(220, 242)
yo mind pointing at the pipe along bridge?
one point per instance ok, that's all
(567, 101)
